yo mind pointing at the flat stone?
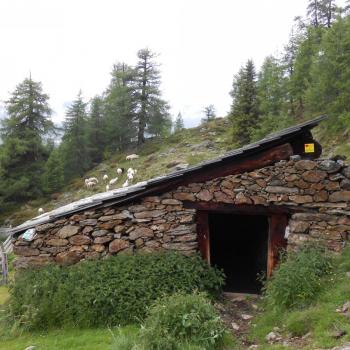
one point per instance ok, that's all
(301, 199)
(340, 196)
(141, 232)
(192, 237)
(79, 240)
(44, 227)
(67, 258)
(204, 195)
(118, 245)
(68, 231)
(180, 246)
(108, 225)
(171, 201)
(125, 214)
(87, 230)
(299, 226)
(99, 233)
(330, 166)
(25, 251)
(98, 247)
(92, 255)
(312, 217)
(88, 222)
(345, 184)
(305, 165)
(280, 189)
(149, 214)
(102, 240)
(57, 242)
(321, 196)
(242, 199)
(137, 208)
(184, 196)
(314, 175)
(346, 172)
(258, 200)
(32, 261)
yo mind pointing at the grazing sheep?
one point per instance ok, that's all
(126, 183)
(120, 171)
(41, 211)
(90, 184)
(132, 157)
(93, 179)
(107, 187)
(105, 178)
(113, 181)
(130, 176)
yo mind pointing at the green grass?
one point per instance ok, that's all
(320, 318)
(3, 295)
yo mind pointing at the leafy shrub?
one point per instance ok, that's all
(182, 320)
(109, 292)
(298, 279)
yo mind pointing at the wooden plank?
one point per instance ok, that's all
(246, 209)
(277, 242)
(203, 234)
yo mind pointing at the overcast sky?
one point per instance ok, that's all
(70, 45)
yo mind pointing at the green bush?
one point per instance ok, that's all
(182, 320)
(114, 291)
(298, 279)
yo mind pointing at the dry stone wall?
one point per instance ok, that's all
(317, 191)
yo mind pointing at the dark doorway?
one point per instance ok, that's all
(239, 246)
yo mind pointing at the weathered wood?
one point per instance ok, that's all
(3, 266)
(239, 166)
(246, 209)
(203, 234)
(277, 242)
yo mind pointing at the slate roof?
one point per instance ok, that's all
(121, 195)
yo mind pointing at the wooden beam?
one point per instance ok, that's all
(203, 234)
(249, 209)
(277, 242)
(239, 166)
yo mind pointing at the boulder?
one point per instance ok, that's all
(68, 231)
(330, 166)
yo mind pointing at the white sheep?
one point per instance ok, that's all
(132, 157)
(105, 177)
(41, 211)
(113, 181)
(119, 171)
(93, 179)
(130, 176)
(107, 187)
(126, 183)
(90, 184)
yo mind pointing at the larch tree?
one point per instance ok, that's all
(151, 109)
(244, 110)
(313, 12)
(209, 113)
(75, 140)
(24, 132)
(179, 123)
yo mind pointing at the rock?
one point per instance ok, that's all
(87, 230)
(345, 307)
(330, 166)
(340, 196)
(280, 189)
(173, 163)
(140, 232)
(321, 196)
(305, 165)
(125, 214)
(149, 214)
(88, 222)
(118, 245)
(339, 334)
(301, 199)
(102, 240)
(254, 346)
(181, 166)
(204, 195)
(242, 199)
(314, 175)
(32, 261)
(25, 251)
(295, 157)
(203, 145)
(68, 258)
(99, 233)
(68, 231)
(79, 240)
(171, 202)
(299, 226)
(246, 317)
(345, 184)
(57, 242)
(235, 326)
(184, 196)
(346, 172)
(44, 227)
(271, 337)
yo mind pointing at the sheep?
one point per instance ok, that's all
(120, 171)
(90, 184)
(107, 188)
(130, 176)
(132, 157)
(126, 183)
(113, 181)
(105, 177)
(93, 179)
(41, 211)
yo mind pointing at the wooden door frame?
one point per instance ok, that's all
(276, 242)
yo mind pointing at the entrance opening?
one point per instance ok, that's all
(239, 246)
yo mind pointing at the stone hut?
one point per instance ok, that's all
(238, 211)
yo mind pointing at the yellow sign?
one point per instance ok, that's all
(309, 147)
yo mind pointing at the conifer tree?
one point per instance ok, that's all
(244, 110)
(151, 109)
(179, 123)
(75, 141)
(96, 130)
(120, 108)
(209, 113)
(314, 12)
(53, 178)
(23, 133)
